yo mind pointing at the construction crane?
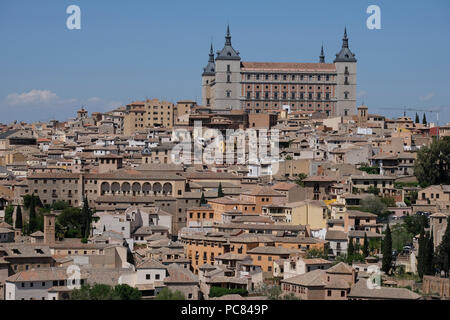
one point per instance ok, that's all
(405, 109)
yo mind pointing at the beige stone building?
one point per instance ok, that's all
(148, 114)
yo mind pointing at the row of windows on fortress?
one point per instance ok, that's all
(287, 77)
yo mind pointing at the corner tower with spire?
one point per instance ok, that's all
(208, 76)
(228, 77)
(346, 64)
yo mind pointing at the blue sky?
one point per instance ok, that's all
(130, 50)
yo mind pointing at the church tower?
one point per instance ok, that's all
(345, 63)
(49, 228)
(208, 75)
(228, 77)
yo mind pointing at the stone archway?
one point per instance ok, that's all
(136, 188)
(126, 187)
(105, 188)
(115, 187)
(167, 188)
(157, 187)
(146, 188)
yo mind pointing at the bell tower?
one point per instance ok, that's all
(49, 228)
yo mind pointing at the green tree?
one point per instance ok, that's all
(387, 251)
(202, 199)
(9, 212)
(87, 216)
(220, 193)
(350, 248)
(166, 294)
(316, 253)
(72, 222)
(433, 163)
(422, 253)
(19, 223)
(96, 292)
(300, 178)
(443, 251)
(365, 246)
(125, 292)
(415, 224)
(429, 258)
(32, 220)
(374, 205)
(60, 205)
(417, 118)
(424, 119)
(373, 190)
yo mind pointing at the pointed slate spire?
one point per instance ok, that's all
(345, 39)
(345, 55)
(211, 54)
(322, 56)
(228, 37)
(228, 52)
(210, 68)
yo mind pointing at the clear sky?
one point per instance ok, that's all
(131, 50)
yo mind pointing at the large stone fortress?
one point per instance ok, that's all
(231, 84)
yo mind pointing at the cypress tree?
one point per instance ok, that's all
(202, 199)
(220, 193)
(87, 215)
(424, 119)
(422, 253)
(387, 251)
(19, 223)
(350, 248)
(365, 246)
(429, 258)
(32, 222)
(417, 118)
(443, 250)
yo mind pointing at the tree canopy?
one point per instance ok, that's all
(106, 292)
(432, 163)
(166, 294)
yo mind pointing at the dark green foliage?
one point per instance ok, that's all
(125, 292)
(432, 163)
(87, 216)
(166, 294)
(417, 118)
(60, 205)
(387, 251)
(422, 253)
(424, 119)
(220, 193)
(374, 205)
(72, 222)
(202, 199)
(33, 220)
(218, 292)
(19, 222)
(373, 190)
(9, 212)
(300, 179)
(443, 251)
(27, 201)
(415, 224)
(400, 236)
(369, 169)
(366, 246)
(316, 253)
(350, 247)
(106, 292)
